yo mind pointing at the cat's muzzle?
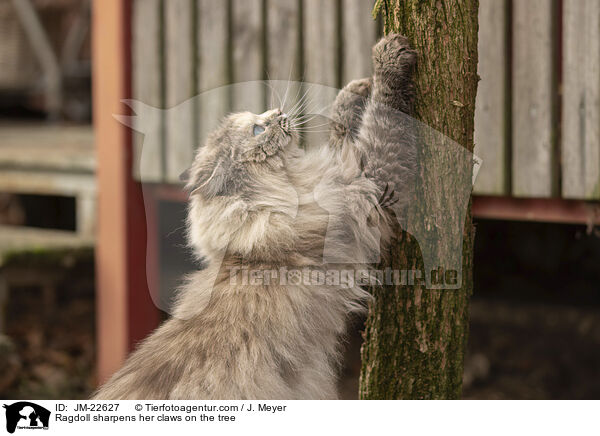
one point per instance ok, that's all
(284, 123)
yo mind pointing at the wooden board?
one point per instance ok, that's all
(213, 67)
(47, 182)
(581, 100)
(321, 57)
(320, 27)
(491, 105)
(248, 55)
(24, 239)
(329, 43)
(534, 94)
(179, 86)
(146, 80)
(359, 33)
(41, 146)
(283, 53)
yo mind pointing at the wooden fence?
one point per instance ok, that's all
(181, 48)
(538, 105)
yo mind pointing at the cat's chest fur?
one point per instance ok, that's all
(249, 342)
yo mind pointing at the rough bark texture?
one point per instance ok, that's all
(415, 338)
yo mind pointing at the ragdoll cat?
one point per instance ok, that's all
(253, 203)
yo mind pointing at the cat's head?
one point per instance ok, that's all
(245, 145)
(238, 178)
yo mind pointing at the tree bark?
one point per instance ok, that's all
(415, 337)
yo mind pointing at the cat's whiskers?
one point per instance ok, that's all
(310, 127)
(306, 99)
(307, 118)
(299, 106)
(274, 92)
(287, 88)
(314, 111)
(298, 99)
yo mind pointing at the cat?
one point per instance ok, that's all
(253, 204)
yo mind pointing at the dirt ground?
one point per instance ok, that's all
(533, 351)
(51, 351)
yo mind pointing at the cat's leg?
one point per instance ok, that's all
(347, 111)
(394, 62)
(387, 136)
(376, 170)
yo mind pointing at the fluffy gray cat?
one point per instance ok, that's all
(259, 201)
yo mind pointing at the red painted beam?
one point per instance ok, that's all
(125, 312)
(552, 210)
(173, 193)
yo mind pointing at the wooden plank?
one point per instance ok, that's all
(359, 33)
(213, 67)
(46, 182)
(581, 100)
(86, 214)
(533, 99)
(147, 87)
(248, 55)
(491, 105)
(283, 53)
(47, 146)
(179, 86)
(321, 42)
(23, 239)
(321, 57)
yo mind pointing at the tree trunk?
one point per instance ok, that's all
(415, 337)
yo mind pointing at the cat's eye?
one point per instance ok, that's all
(258, 129)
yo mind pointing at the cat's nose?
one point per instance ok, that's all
(279, 113)
(269, 115)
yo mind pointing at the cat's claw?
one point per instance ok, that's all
(389, 197)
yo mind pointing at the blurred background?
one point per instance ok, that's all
(91, 227)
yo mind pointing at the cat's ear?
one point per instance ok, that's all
(185, 175)
(211, 183)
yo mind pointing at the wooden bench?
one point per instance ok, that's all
(51, 160)
(44, 159)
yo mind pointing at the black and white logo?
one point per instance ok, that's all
(26, 415)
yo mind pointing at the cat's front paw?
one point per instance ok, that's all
(393, 54)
